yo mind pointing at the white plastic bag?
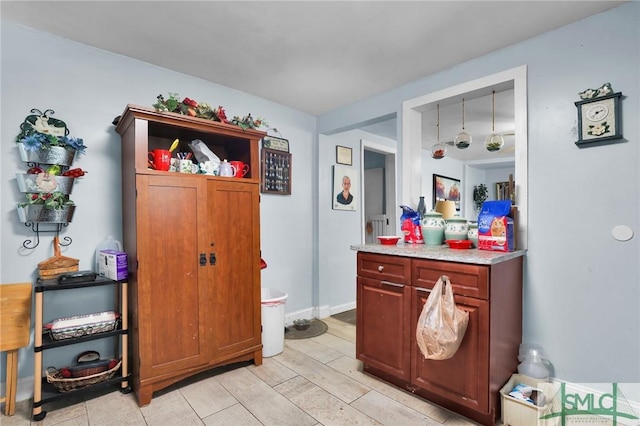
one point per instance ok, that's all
(442, 324)
(203, 154)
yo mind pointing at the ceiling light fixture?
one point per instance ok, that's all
(494, 141)
(463, 139)
(438, 150)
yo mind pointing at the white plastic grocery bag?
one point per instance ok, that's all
(442, 324)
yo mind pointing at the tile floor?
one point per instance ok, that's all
(315, 381)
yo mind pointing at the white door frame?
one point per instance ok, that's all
(412, 136)
(391, 176)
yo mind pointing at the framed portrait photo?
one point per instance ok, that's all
(345, 182)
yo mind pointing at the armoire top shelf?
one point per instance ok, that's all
(149, 129)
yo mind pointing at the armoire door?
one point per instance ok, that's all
(233, 213)
(169, 217)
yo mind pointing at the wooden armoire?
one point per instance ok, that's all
(193, 244)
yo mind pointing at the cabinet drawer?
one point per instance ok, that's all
(382, 267)
(466, 279)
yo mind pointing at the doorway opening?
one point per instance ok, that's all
(379, 215)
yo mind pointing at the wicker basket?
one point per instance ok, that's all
(70, 384)
(58, 264)
(83, 325)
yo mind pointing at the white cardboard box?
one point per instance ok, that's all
(113, 265)
(520, 413)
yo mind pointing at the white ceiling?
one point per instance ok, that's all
(312, 56)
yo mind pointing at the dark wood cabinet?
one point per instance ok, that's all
(193, 244)
(463, 377)
(384, 301)
(384, 341)
(469, 382)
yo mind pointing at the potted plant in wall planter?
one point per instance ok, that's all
(53, 207)
(45, 140)
(47, 149)
(44, 144)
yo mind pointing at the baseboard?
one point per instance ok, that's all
(307, 313)
(24, 389)
(343, 308)
(583, 394)
(323, 311)
(320, 312)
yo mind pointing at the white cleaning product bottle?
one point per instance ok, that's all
(108, 243)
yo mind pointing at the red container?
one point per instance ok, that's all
(459, 244)
(388, 241)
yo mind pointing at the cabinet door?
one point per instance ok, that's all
(171, 325)
(234, 239)
(382, 326)
(464, 378)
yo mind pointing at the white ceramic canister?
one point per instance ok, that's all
(226, 169)
(472, 234)
(456, 228)
(433, 228)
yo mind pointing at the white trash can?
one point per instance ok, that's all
(272, 321)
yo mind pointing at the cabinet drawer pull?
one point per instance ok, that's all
(391, 284)
(380, 268)
(427, 290)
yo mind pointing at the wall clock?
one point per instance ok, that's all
(599, 119)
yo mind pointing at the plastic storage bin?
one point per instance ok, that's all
(273, 302)
(520, 413)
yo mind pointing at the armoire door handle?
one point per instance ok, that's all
(203, 259)
(212, 258)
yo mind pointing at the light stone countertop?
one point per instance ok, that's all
(421, 251)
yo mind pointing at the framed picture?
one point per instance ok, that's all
(599, 119)
(275, 167)
(344, 180)
(446, 188)
(344, 155)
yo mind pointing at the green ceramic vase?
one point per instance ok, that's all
(456, 228)
(472, 234)
(433, 228)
